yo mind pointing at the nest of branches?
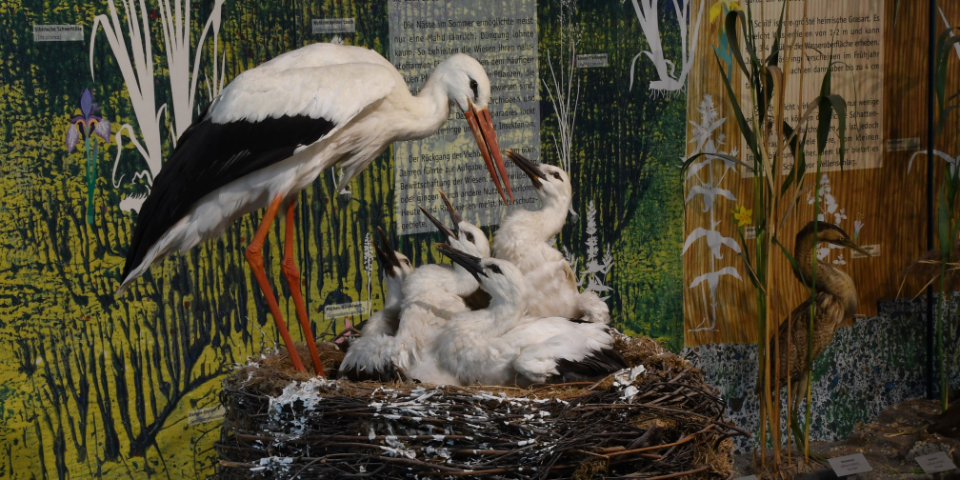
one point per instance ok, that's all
(657, 420)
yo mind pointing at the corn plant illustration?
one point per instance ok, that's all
(669, 79)
(136, 65)
(707, 187)
(88, 127)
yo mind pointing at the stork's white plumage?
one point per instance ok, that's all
(272, 131)
(499, 345)
(522, 240)
(370, 357)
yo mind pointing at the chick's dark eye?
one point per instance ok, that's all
(495, 269)
(470, 237)
(473, 86)
(406, 262)
(557, 176)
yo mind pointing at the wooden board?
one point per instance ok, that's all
(889, 201)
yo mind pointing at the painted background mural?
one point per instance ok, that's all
(92, 386)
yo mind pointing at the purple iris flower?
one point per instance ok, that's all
(87, 123)
(87, 126)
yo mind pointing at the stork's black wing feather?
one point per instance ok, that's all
(594, 367)
(210, 156)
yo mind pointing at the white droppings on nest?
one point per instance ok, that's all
(396, 448)
(624, 380)
(267, 462)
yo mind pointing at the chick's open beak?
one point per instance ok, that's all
(531, 169)
(437, 223)
(387, 256)
(467, 261)
(454, 215)
(481, 124)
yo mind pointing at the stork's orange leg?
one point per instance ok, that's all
(255, 259)
(290, 271)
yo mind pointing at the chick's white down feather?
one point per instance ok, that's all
(522, 240)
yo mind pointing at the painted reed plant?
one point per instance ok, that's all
(767, 136)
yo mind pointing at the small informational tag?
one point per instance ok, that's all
(873, 249)
(346, 310)
(903, 144)
(333, 25)
(936, 462)
(592, 60)
(748, 477)
(205, 415)
(58, 33)
(750, 233)
(850, 465)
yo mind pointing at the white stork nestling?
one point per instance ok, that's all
(500, 345)
(522, 240)
(431, 295)
(272, 131)
(368, 354)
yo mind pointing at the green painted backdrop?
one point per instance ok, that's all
(94, 386)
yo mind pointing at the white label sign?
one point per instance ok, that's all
(346, 310)
(333, 25)
(936, 462)
(873, 249)
(850, 465)
(205, 415)
(502, 36)
(852, 32)
(592, 60)
(58, 33)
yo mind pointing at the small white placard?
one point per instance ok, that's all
(903, 144)
(346, 309)
(850, 465)
(205, 415)
(750, 233)
(334, 25)
(592, 60)
(873, 249)
(58, 33)
(936, 462)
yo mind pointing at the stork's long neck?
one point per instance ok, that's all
(830, 279)
(466, 284)
(546, 222)
(506, 312)
(394, 294)
(427, 111)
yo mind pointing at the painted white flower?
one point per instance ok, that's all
(822, 252)
(839, 260)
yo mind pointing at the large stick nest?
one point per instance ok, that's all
(661, 423)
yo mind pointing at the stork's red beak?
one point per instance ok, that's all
(481, 124)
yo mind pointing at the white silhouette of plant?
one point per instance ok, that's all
(668, 81)
(595, 270)
(368, 268)
(136, 66)
(561, 93)
(709, 189)
(830, 212)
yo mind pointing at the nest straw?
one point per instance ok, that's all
(663, 424)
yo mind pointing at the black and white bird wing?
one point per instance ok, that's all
(563, 349)
(263, 117)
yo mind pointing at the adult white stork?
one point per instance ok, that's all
(274, 128)
(522, 240)
(500, 345)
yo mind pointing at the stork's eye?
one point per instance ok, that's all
(557, 176)
(469, 237)
(473, 86)
(495, 269)
(406, 262)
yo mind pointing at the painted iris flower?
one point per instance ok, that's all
(87, 126)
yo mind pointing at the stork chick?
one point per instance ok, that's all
(365, 357)
(836, 301)
(522, 240)
(500, 346)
